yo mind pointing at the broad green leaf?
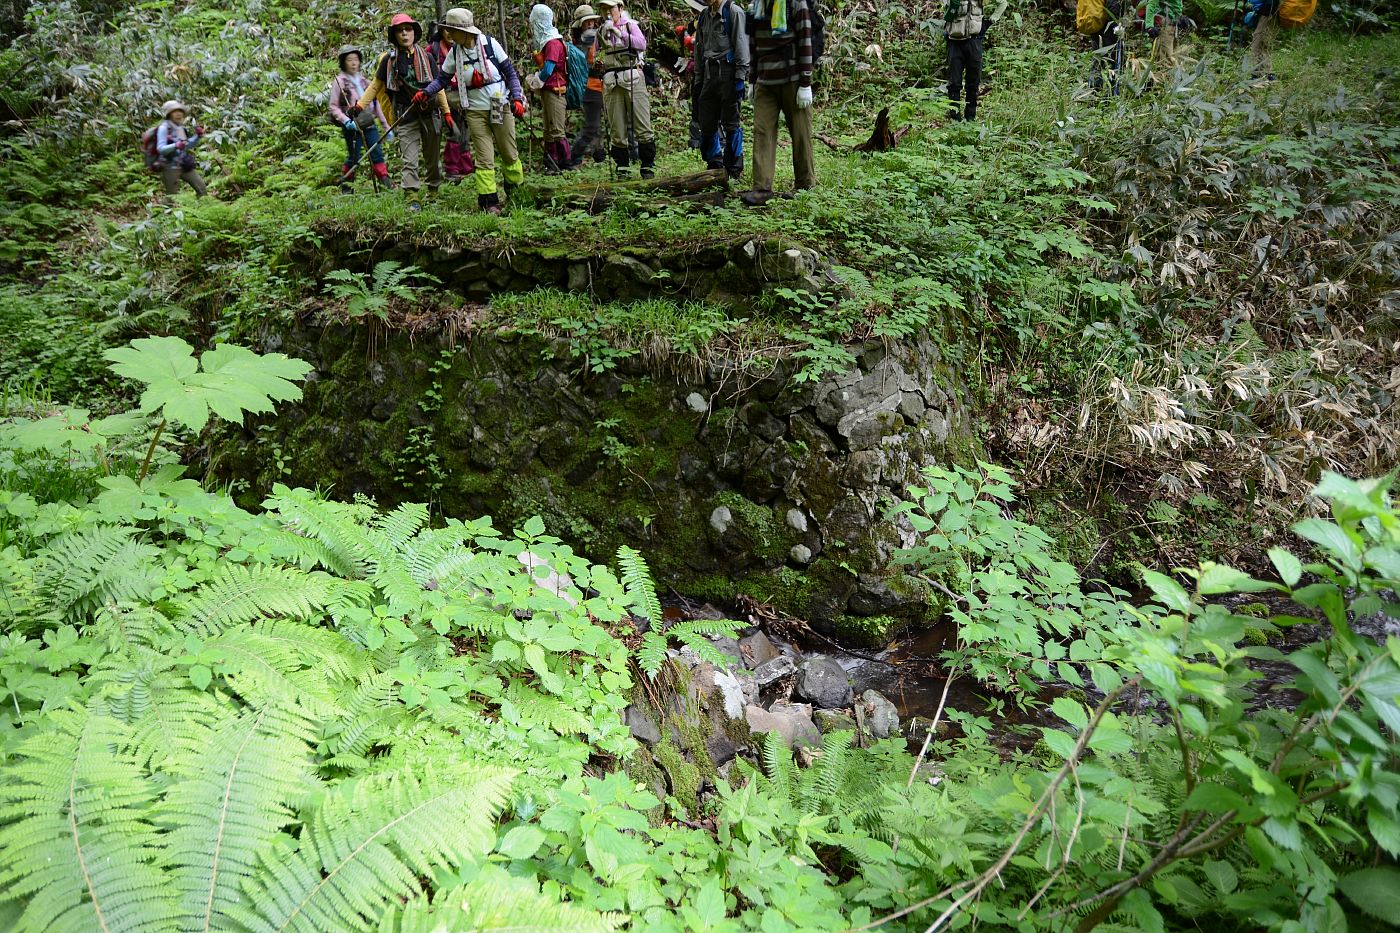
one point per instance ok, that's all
(1214, 798)
(1070, 711)
(1290, 569)
(151, 358)
(1376, 891)
(1061, 743)
(1168, 592)
(1332, 538)
(521, 842)
(1385, 829)
(1222, 875)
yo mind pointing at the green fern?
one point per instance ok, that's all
(227, 806)
(82, 570)
(368, 843)
(76, 846)
(636, 579)
(495, 900)
(286, 663)
(239, 593)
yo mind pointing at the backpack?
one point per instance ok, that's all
(576, 76)
(1090, 17)
(149, 151)
(1294, 14)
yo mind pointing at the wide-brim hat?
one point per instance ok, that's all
(695, 6)
(348, 50)
(403, 19)
(608, 5)
(460, 20)
(583, 13)
(170, 106)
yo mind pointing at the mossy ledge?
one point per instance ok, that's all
(765, 486)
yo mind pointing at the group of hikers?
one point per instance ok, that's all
(453, 100)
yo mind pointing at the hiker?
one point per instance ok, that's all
(722, 68)
(1263, 16)
(624, 89)
(173, 144)
(685, 65)
(965, 29)
(488, 89)
(399, 78)
(781, 64)
(456, 156)
(362, 131)
(1161, 26)
(1107, 37)
(584, 32)
(550, 83)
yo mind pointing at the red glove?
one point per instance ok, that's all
(421, 97)
(200, 131)
(181, 144)
(451, 124)
(518, 107)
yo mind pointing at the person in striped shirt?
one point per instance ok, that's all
(781, 71)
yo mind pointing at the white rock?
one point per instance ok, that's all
(721, 518)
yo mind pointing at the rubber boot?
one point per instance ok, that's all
(566, 155)
(347, 177)
(490, 203)
(648, 154)
(381, 171)
(624, 161)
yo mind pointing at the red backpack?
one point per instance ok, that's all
(149, 151)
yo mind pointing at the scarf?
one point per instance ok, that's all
(542, 25)
(761, 9)
(421, 64)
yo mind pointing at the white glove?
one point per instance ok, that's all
(533, 82)
(804, 98)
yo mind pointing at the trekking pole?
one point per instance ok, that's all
(402, 117)
(364, 141)
(1234, 15)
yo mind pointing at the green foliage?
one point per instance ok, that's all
(372, 293)
(693, 633)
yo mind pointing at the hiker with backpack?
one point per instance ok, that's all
(456, 152)
(550, 84)
(722, 68)
(399, 78)
(625, 95)
(360, 131)
(173, 145)
(584, 33)
(488, 89)
(965, 29)
(785, 48)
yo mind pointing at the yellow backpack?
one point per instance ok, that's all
(1090, 16)
(1294, 14)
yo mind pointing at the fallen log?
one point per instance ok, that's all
(595, 197)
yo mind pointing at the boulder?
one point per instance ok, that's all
(737, 689)
(774, 670)
(880, 716)
(641, 726)
(728, 647)
(824, 683)
(830, 720)
(756, 649)
(795, 727)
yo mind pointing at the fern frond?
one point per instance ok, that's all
(132, 631)
(333, 524)
(400, 525)
(636, 579)
(81, 570)
(75, 843)
(22, 608)
(528, 707)
(369, 842)
(283, 663)
(227, 805)
(166, 718)
(778, 766)
(702, 646)
(372, 716)
(239, 593)
(827, 776)
(495, 900)
(651, 653)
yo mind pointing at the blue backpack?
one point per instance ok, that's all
(575, 76)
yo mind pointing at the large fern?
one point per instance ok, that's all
(227, 806)
(238, 593)
(495, 900)
(81, 570)
(286, 663)
(369, 842)
(76, 845)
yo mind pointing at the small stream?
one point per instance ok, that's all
(907, 674)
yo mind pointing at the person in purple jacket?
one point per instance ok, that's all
(362, 130)
(625, 98)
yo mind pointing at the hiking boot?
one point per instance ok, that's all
(346, 187)
(647, 152)
(415, 206)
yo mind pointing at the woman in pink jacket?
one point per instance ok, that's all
(361, 130)
(621, 49)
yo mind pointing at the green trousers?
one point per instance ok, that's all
(769, 101)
